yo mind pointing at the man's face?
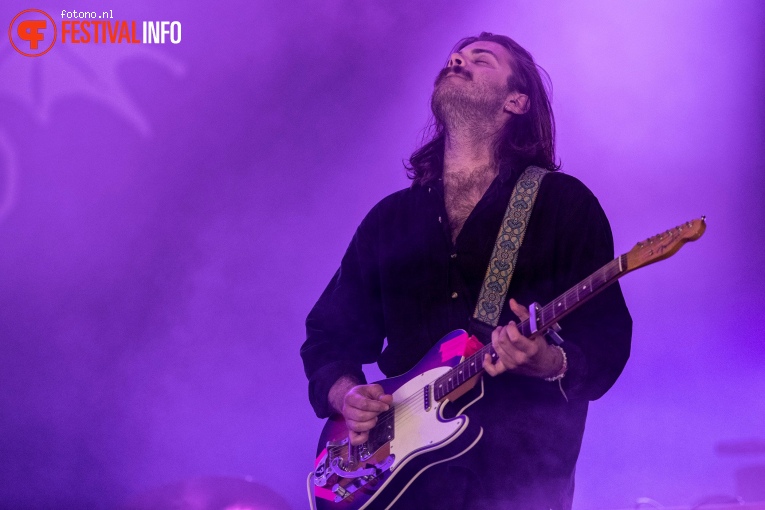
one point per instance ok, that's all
(474, 84)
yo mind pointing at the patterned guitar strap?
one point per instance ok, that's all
(505, 254)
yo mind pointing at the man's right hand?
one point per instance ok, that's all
(360, 405)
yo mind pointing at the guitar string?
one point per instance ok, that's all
(408, 406)
(523, 326)
(415, 400)
(574, 292)
(610, 273)
(412, 404)
(403, 412)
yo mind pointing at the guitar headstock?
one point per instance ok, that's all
(666, 244)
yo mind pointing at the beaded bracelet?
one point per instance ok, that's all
(563, 369)
(561, 373)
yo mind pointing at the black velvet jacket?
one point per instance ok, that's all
(402, 279)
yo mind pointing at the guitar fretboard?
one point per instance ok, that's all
(546, 317)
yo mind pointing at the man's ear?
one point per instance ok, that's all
(517, 103)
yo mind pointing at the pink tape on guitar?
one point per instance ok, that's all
(460, 346)
(321, 492)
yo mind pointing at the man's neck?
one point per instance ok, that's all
(469, 169)
(469, 152)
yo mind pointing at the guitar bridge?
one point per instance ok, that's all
(343, 491)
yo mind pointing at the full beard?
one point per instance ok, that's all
(465, 105)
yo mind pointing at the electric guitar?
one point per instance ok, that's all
(414, 434)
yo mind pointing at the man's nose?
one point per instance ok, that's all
(456, 60)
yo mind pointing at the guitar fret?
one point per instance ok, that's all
(584, 288)
(614, 268)
(545, 318)
(595, 279)
(549, 312)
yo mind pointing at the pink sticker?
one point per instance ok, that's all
(473, 346)
(459, 346)
(321, 492)
(320, 457)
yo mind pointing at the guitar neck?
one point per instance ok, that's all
(653, 249)
(547, 316)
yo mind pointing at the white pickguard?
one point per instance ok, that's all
(415, 428)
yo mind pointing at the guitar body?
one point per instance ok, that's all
(420, 437)
(415, 433)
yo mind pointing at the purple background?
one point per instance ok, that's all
(169, 214)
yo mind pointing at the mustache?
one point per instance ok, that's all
(456, 70)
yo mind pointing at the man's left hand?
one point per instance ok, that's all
(519, 354)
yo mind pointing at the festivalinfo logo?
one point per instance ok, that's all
(34, 32)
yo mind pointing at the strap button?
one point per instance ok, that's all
(453, 255)
(454, 295)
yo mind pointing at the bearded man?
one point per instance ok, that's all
(414, 270)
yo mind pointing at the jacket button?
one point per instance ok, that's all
(454, 295)
(453, 255)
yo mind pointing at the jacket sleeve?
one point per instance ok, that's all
(345, 327)
(598, 334)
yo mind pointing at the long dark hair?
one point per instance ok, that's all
(527, 139)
